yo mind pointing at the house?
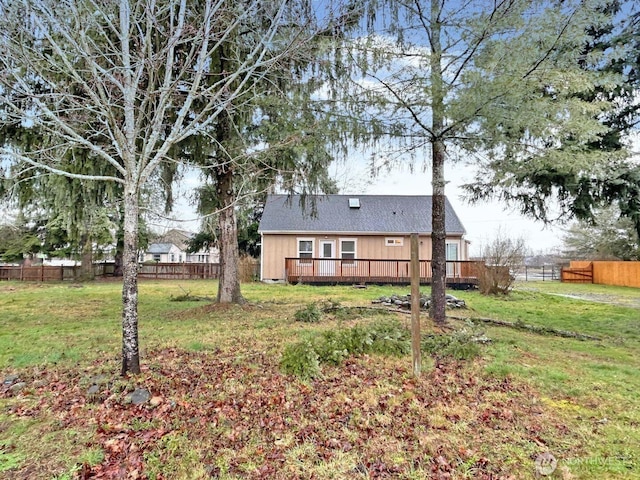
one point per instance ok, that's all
(354, 238)
(164, 253)
(172, 248)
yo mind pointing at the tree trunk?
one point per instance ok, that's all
(438, 238)
(117, 257)
(86, 265)
(130, 349)
(229, 281)
(438, 233)
(117, 261)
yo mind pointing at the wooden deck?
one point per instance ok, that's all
(335, 271)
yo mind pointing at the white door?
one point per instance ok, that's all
(453, 269)
(327, 250)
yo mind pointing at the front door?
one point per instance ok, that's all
(327, 251)
(453, 269)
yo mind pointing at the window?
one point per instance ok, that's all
(394, 241)
(173, 257)
(348, 251)
(305, 250)
(156, 257)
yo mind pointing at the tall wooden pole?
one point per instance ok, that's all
(415, 305)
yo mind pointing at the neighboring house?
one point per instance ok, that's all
(164, 253)
(351, 238)
(172, 248)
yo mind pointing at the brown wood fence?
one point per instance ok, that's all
(187, 271)
(577, 272)
(42, 273)
(624, 274)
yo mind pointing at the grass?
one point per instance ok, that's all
(225, 409)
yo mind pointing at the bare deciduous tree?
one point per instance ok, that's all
(126, 81)
(503, 256)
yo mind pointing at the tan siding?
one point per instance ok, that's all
(375, 247)
(276, 248)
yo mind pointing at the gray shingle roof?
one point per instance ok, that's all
(377, 214)
(159, 248)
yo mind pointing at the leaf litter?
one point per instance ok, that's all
(234, 415)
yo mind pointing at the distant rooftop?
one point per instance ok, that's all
(159, 248)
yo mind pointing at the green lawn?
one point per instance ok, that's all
(223, 408)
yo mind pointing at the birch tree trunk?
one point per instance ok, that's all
(130, 351)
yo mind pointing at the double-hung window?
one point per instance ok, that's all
(305, 250)
(348, 251)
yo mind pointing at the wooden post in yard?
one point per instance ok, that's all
(415, 305)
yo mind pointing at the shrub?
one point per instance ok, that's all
(502, 256)
(248, 269)
(462, 344)
(383, 338)
(332, 347)
(300, 359)
(390, 338)
(359, 339)
(310, 314)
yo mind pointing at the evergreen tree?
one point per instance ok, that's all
(583, 173)
(269, 137)
(474, 81)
